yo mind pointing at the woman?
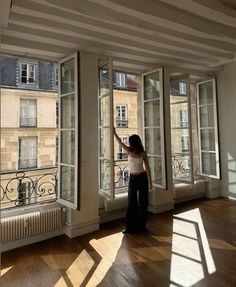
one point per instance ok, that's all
(139, 182)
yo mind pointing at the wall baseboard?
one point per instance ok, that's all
(30, 240)
(160, 208)
(75, 230)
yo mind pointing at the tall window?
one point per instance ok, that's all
(120, 80)
(27, 152)
(154, 126)
(208, 129)
(180, 130)
(182, 88)
(121, 116)
(183, 115)
(121, 152)
(28, 113)
(185, 143)
(27, 73)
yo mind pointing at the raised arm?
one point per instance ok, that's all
(147, 168)
(125, 147)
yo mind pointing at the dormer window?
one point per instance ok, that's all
(27, 73)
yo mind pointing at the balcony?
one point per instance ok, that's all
(121, 123)
(25, 188)
(181, 165)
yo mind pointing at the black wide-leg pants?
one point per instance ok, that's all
(136, 216)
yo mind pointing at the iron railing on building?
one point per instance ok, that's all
(181, 166)
(24, 188)
(121, 123)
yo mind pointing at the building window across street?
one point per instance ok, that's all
(27, 73)
(27, 152)
(183, 118)
(121, 116)
(185, 143)
(121, 152)
(28, 113)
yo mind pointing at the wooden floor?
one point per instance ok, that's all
(194, 245)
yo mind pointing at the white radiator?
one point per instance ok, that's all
(30, 224)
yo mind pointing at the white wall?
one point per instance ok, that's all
(226, 81)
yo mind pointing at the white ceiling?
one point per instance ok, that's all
(197, 35)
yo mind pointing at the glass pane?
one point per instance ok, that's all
(178, 140)
(208, 163)
(105, 175)
(104, 81)
(156, 170)
(181, 166)
(105, 143)
(67, 183)
(68, 111)
(104, 104)
(68, 147)
(67, 77)
(206, 116)
(178, 91)
(151, 86)
(153, 141)
(152, 113)
(206, 93)
(208, 139)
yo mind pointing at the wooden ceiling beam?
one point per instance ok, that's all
(120, 24)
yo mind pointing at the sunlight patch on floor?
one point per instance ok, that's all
(5, 270)
(107, 247)
(191, 256)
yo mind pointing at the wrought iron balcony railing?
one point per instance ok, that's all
(24, 188)
(181, 165)
(121, 123)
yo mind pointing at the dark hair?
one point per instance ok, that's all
(135, 144)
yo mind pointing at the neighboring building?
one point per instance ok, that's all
(28, 123)
(126, 121)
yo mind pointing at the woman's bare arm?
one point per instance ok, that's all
(125, 147)
(147, 168)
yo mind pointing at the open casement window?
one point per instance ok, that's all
(106, 140)
(154, 126)
(208, 129)
(68, 132)
(181, 129)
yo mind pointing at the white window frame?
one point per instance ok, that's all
(75, 166)
(162, 133)
(120, 118)
(120, 80)
(107, 193)
(188, 125)
(215, 127)
(28, 64)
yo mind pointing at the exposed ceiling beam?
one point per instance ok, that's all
(115, 20)
(5, 8)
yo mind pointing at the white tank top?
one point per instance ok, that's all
(135, 164)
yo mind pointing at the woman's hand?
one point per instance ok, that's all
(150, 186)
